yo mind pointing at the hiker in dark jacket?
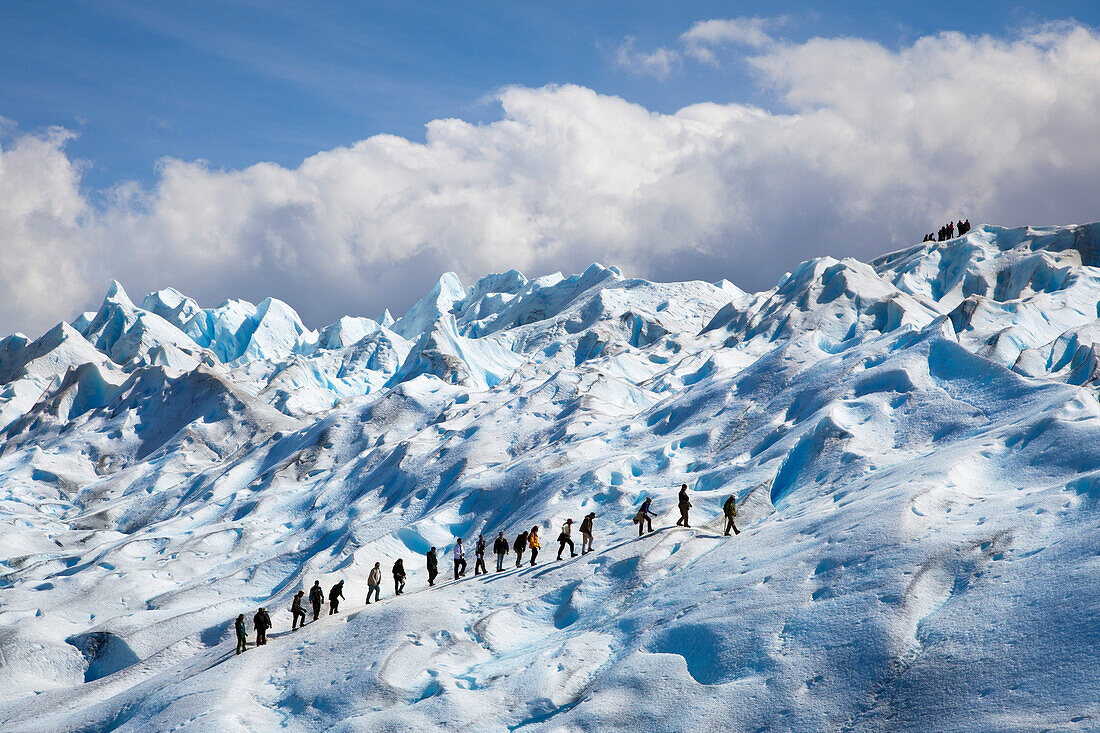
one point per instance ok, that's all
(316, 598)
(565, 538)
(586, 532)
(479, 553)
(399, 577)
(299, 615)
(433, 566)
(520, 546)
(643, 517)
(335, 595)
(262, 622)
(242, 637)
(500, 547)
(730, 510)
(685, 505)
(374, 583)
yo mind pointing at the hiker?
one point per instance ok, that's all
(262, 622)
(316, 598)
(242, 638)
(460, 559)
(643, 517)
(374, 583)
(335, 595)
(533, 543)
(479, 553)
(500, 547)
(730, 510)
(433, 566)
(299, 616)
(399, 577)
(565, 539)
(520, 546)
(685, 505)
(586, 533)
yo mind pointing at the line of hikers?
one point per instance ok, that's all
(948, 231)
(262, 620)
(526, 540)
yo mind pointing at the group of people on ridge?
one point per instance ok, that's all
(950, 230)
(526, 540)
(262, 620)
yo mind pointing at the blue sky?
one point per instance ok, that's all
(237, 83)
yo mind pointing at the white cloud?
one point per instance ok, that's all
(699, 41)
(659, 63)
(43, 262)
(879, 146)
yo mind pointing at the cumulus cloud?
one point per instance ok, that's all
(658, 64)
(42, 250)
(701, 39)
(872, 148)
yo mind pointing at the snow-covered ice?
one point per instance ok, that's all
(912, 443)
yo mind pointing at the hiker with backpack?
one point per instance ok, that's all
(644, 518)
(479, 554)
(586, 533)
(520, 546)
(299, 615)
(399, 577)
(533, 543)
(262, 622)
(729, 509)
(565, 539)
(685, 504)
(316, 598)
(335, 595)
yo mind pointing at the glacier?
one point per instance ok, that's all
(912, 442)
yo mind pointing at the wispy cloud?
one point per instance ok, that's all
(659, 63)
(703, 43)
(703, 37)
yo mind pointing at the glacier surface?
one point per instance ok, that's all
(912, 442)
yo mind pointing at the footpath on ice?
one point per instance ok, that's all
(912, 442)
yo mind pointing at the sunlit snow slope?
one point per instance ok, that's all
(914, 444)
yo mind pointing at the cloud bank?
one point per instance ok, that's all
(867, 148)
